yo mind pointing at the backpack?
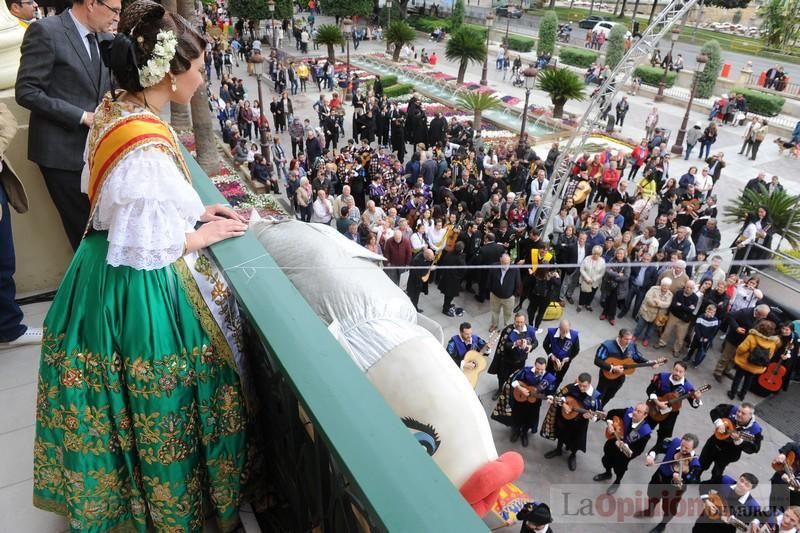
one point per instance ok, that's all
(759, 356)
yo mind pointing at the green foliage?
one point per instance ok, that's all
(761, 102)
(737, 16)
(349, 8)
(428, 24)
(784, 266)
(615, 50)
(548, 27)
(388, 81)
(728, 4)
(520, 44)
(478, 102)
(653, 75)
(779, 205)
(561, 85)
(398, 89)
(465, 46)
(457, 16)
(249, 9)
(284, 9)
(780, 22)
(708, 79)
(330, 35)
(578, 57)
(399, 34)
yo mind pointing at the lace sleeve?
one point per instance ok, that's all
(147, 207)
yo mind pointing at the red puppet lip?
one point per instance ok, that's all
(483, 486)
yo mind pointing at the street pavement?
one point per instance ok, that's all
(547, 480)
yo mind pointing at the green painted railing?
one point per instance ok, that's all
(398, 487)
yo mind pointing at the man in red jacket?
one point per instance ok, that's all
(397, 251)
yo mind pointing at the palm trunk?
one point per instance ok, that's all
(570, 3)
(462, 70)
(476, 119)
(396, 52)
(652, 12)
(402, 6)
(591, 7)
(558, 108)
(553, 4)
(331, 54)
(635, 11)
(622, 11)
(616, 5)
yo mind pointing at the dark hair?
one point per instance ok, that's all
(751, 478)
(584, 377)
(464, 325)
(137, 35)
(680, 364)
(691, 437)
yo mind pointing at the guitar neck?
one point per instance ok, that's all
(638, 365)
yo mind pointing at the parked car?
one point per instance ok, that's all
(604, 27)
(589, 22)
(509, 11)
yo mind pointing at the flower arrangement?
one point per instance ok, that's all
(158, 66)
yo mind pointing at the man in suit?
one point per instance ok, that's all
(61, 80)
(503, 284)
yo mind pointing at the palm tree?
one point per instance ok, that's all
(478, 102)
(635, 11)
(562, 85)
(330, 35)
(465, 46)
(780, 206)
(399, 34)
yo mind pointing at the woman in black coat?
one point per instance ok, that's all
(450, 279)
(399, 136)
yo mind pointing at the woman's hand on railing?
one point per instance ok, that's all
(213, 232)
(219, 212)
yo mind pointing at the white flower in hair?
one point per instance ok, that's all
(158, 66)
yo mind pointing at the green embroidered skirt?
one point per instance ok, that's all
(140, 423)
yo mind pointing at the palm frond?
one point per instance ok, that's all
(400, 33)
(780, 205)
(329, 34)
(465, 44)
(562, 84)
(478, 101)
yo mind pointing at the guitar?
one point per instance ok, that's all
(629, 366)
(674, 402)
(772, 379)
(475, 361)
(789, 475)
(730, 431)
(616, 431)
(717, 509)
(533, 395)
(575, 408)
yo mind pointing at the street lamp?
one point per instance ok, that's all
(530, 77)
(271, 7)
(489, 23)
(347, 28)
(661, 84)
(677, 148)
(388, 21)
(257, 60)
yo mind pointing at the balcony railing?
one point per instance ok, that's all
(338, 459)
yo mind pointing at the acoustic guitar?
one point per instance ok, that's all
(629, 366)
(772, 378)
(616, 431)
(533, 395)
(789, 474)
(674, 402)
(719, 510)
(576, 409)
(479, 360)
(730, 430)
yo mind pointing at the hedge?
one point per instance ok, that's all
(428, 24)
(653, 75)
(520, 44)
(398, 89)
(761, 102)
(578, 57)
(388, 81)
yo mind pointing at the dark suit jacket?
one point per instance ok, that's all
(510, 286)
(57, 82)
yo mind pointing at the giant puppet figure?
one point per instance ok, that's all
(378, 326)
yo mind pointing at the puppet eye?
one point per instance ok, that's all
(424, 433)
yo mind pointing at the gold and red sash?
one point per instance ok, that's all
(121, 138)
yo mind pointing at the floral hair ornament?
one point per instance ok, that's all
(158, 65)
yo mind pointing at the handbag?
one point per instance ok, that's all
(758, 356)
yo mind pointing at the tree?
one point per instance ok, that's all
(478, 102)
(780, 205)
(330, 35)
(457, 16)
(349, 8)
(616, 45)
(402, 6)
(561, 85)
(399, 34)
(652, 12)
(635, 11)
(257, 9)
(707, 80)
(771, 13)
(465, 46)
(548, 28)
(728, 4)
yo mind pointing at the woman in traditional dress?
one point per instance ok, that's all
(140, 421)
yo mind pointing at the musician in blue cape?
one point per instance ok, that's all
(626, 443)
(562, 347)
(674, 382)
(787, 474)
(622, 347)
(737, 505)
(462, 343)
(678, 468)
(516, 341)
(567, 424)
(521, 399)
(726, 445)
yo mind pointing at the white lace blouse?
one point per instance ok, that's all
(147, 206)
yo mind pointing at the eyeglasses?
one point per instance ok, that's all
(116, 10)
(28, 3)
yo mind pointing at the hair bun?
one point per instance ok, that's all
(119, 54)
(140, 11)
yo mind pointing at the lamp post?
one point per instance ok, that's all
(257, 61)
(489, 23)
(347, 28)
(530, 76)
(663, 83)
(271, 7)
(388, 21)
(677, 148)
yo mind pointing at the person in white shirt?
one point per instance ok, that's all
(322, 209)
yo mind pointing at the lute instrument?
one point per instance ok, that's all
(616, 431)
(674, 402)
(729, 431)
(629, 366)
(717, 509)
(789, 474)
